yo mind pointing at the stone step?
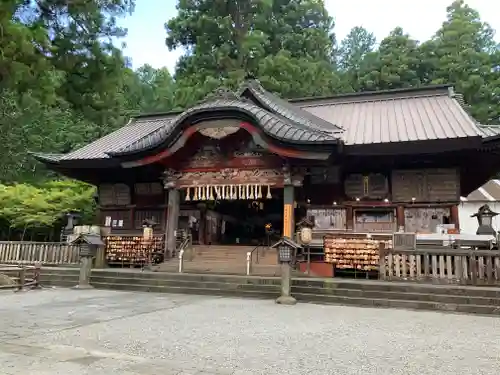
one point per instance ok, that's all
(399, 287)
(223, 268)
(414, 296)
(186, 290)
(399, 304)
(212, 284)
(479, 300)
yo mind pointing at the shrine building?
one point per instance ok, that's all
(373, 162)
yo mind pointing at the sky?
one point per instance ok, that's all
(145, 42)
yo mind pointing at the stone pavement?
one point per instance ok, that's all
(60, 331)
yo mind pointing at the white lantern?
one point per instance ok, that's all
(306, 235)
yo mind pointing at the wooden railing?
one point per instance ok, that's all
(22, 277)
(441, 265)
(46, 253)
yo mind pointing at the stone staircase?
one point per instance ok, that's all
(229, 260)
(454, 298)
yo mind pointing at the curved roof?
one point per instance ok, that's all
(275, 125)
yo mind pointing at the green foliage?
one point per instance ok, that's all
(230, 39)
(28, 206)
(395, 64)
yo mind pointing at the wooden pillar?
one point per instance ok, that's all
(400, 217)
(454, 217)
(288, 211)
(172, 221)
(349, 218)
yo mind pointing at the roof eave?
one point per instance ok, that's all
(46, 158)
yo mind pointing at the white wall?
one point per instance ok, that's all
(469, 224)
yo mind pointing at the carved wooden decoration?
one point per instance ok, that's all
(218, 133)
(226, 176)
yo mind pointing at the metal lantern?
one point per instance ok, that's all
(485, 220)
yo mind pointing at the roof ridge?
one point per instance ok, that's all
(375, 93)
(367, 100)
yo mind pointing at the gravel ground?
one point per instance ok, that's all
(95, 332)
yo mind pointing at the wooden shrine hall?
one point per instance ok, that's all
(370, 162)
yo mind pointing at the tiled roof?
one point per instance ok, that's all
(276, 126)
(426, 114)
(489, 192)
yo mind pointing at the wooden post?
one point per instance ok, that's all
(454, 217)
(22, 279)
(172, 222)
(349, 219)
(36, 275)
(382, 271)
(400, 217)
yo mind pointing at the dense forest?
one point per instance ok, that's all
(64, 82)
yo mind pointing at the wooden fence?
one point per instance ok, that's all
(46, 253)
(21, 277)
(441, 265)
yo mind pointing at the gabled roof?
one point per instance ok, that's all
(407, 115)
(489, 192)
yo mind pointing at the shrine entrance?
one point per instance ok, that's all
(231, 206)
(224, 188)
(239, 220)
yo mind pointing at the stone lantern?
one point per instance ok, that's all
(485, 220)
(88, 246)
(286, 255)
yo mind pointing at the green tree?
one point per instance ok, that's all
(396, 64)
(228, 40)
(354, 48)
(35, 209)
(463, 52)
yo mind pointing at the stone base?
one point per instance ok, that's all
(286, 300)
(83, 286)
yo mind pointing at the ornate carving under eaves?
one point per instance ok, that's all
(228, 176)
(218, 133)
